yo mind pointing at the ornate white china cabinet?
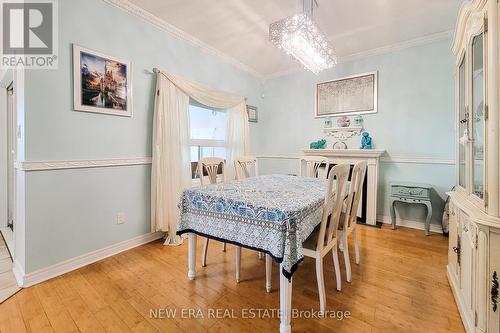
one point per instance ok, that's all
(474, 243)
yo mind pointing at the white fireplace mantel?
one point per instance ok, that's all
(351, 156)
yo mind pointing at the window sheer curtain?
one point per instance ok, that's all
(171, 166)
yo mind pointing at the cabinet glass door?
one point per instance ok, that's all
(477, 117)
(462, 126)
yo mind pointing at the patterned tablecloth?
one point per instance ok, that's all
(272, 213)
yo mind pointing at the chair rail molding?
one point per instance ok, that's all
(80, 164)
(416, 160)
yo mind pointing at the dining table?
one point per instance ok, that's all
(272, 214)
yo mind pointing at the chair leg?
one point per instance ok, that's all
(204, 254)
(346, 260)
(269, 268)
(224, 247)
(341, 241)
(321, 284)
(337, 267)
(356, 246)
(238, 263)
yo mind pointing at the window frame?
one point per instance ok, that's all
(203, 143)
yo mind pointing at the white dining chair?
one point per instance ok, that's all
(311, 166)
(324, 238)
(210, 165)
(243, 167)
(349, 216)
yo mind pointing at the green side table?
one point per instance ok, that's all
(412, 193)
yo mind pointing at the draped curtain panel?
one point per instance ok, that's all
(171, 169)
(170, 173)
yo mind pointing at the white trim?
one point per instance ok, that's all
(356, 153)
(44, 274)
(383, 159)
(377, 51)
(419, 225)
(78, 164)
(176, 32)
(417, 160)
(206, 143)
(114, 162)
(400, 46)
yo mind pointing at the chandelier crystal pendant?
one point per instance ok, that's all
(299, 37)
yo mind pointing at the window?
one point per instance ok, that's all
(207, 133)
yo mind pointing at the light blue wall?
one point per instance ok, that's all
(415, 117)
(72, 212)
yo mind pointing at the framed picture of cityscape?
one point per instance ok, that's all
(102, 84)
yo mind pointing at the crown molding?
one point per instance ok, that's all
(79, 164)
(377, 51)
(137, 11)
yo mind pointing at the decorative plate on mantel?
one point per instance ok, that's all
(343, 133)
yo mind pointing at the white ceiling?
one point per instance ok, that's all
(239, 28)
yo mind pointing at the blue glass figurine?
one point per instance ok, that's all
(318, 144)
(366, 141)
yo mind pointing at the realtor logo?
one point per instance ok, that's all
(29, 34)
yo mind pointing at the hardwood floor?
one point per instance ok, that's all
(399, 286)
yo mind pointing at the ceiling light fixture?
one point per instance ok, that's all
(299, 37)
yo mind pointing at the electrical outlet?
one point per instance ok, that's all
(120, 218)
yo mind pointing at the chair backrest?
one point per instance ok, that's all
(354, 197)
(211, 165)
(243, 167)
(310, 166)
(332, 207)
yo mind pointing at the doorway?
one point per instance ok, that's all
(8, 283)
(7, 228)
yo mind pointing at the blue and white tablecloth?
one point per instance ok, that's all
(273, 214)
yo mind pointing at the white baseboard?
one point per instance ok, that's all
(420, 225)
(27, 280)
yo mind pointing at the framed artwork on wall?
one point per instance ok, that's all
(101, 83)
(252, 114)
(350, 95)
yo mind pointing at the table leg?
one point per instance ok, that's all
(393, 213)
(269, 267)
(191, 256)
(285, 303)
(238, 263)
(428, 219)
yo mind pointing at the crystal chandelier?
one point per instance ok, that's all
(299, 37)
